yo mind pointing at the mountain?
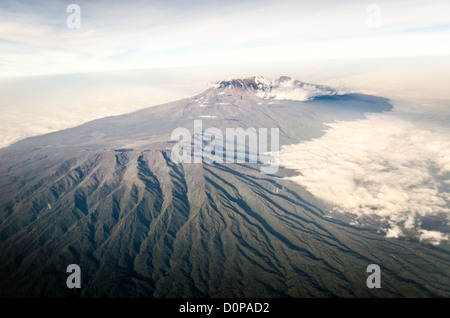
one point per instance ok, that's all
(107, 196)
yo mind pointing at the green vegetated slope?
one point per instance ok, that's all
(140, 226)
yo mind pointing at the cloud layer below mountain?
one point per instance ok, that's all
(389, 166)
(290, 90)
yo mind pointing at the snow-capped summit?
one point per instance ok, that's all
(283, 88)
(251, 83)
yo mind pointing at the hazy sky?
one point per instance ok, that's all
(116, 35)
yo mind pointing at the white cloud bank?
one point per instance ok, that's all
(294, 90)
(385, 165)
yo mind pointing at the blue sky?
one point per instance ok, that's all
(121, 35)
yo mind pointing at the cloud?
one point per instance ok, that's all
(434, 236)
(394, 232)
(391, 167)
(115, 35)
(294, 90)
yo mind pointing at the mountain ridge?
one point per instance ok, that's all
(106, 196)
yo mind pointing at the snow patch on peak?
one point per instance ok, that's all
(259, 80)
(251, 83)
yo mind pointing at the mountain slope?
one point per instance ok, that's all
(107, 196)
